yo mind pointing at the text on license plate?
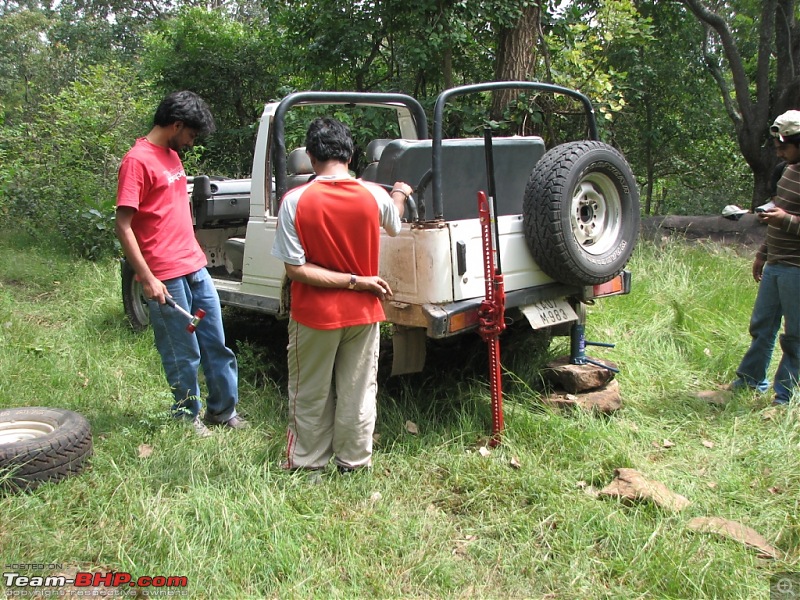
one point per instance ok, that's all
(549, 312)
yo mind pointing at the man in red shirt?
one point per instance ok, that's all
(154, 227)
(329, 239)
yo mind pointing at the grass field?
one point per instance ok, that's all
(435, 518)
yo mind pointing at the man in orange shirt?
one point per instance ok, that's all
(329, 239)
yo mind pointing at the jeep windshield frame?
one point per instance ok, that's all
(398, 102)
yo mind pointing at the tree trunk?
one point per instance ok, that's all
(516, 57)
(755, 102)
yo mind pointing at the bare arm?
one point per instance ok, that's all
(153, 287)
(318, 276)
(400, 191)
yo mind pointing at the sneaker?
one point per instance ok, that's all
(200, 428)
(235, 422)
(739, 384)
(780, 402)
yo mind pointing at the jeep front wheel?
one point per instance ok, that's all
(133, 300)
(581, 213)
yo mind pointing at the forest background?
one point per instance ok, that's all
(685, 88)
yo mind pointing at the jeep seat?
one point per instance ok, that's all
(464, 171)
(298, 168)
(374, 151)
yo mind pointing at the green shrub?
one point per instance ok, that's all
(60, 170)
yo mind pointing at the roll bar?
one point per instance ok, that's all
(438, 118)
(363, 98)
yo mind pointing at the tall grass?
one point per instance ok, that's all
(435, 518)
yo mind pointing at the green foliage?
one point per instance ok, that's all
(230, 64)
(582, 46)
(25, 68)
(60, 175)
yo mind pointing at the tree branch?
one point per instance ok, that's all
(740, 79)
(713, 67)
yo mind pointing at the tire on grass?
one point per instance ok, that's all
(40, 445)
(581, 213)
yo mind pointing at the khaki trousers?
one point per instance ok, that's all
(327, 420)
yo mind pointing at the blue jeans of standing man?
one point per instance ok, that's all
(183, 352)
(778, 298)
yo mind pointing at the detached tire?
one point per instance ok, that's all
(581, 213)
(39, 445)
(133, 300)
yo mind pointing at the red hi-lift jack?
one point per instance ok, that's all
(491, 314)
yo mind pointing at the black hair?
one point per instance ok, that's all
(329, 139)
(791, 139)
(188, 108)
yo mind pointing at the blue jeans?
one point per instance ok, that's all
(778, 297)
(183, 352)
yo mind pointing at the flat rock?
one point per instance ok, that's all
(605, 399)
(577, 378)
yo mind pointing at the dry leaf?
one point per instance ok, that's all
(411, 428)
(515, 464)
(630, 485)
(145, 450)
(712, 484)
(85, 379)
(735, 531)
(484, 451)
(667, 444)
(715, 396)
(461, 545)
(708, 444)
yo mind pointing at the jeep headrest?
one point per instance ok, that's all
(375, 149)
(298, 162)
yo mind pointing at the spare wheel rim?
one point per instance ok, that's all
(19, 431)
(596, 215)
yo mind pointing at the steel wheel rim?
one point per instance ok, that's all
(596, 214)
(19, 431)
(140, 308)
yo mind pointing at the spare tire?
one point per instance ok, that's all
(581, 213)
(39, 444)
(133, 301)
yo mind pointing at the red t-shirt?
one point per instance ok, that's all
(152, 181)
(338, 223)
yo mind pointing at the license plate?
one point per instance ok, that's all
(549, 312)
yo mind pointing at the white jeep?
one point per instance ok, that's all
(567, 218)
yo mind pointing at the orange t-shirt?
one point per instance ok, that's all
(336, 222)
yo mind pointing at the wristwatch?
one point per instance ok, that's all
(352, 284)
